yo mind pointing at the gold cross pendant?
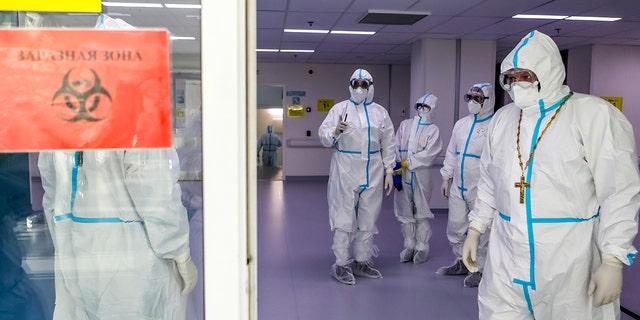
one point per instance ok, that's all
(522, 184)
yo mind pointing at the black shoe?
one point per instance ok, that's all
(366, 270)
(457, 268)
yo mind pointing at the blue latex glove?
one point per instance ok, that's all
(397, 176)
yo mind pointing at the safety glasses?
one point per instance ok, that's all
(422, 106)
(477, 98)
(524, 77)
(359, 83)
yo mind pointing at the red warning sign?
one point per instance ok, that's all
(84, 89)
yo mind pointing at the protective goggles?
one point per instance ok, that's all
(422, 106)
(360, 83)
(475, 97)
(524, 77)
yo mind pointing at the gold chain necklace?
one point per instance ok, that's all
(522, 184)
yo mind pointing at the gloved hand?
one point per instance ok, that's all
(444, 189)
(403, 164)
(341, 127)
(470, 248)
(187, 272)
(606, 282)
(388, 183)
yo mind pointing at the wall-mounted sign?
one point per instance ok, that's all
(296, 93)
(295, 111)
(324, 105)
(84, 89)
(295, 100)
(56, 6)
(615, 101)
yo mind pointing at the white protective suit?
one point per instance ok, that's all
(418, 143)
(363, 154)
(269, 142)
(462, 166)
(582, 202)
(117, 224)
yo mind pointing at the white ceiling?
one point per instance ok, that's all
(449, 19)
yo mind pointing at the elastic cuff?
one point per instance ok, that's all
(183, 256)
(388, 171)
(612, 261)
(478, 226)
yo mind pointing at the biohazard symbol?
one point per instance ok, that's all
(81, 97)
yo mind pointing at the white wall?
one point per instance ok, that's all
(614, 70)
(324, 81)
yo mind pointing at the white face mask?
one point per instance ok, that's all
(358, 95)
(525, 96)
(474, 107)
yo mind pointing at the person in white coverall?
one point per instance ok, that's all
(269, 142)
(120, 234)
(559, 187)
(462, 167)
(418, 144)
(362, 135)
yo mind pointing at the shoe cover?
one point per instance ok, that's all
(406, 255)
(420, 256)
(473, 280)
(365, 269)
(457, 268)
(343, 274)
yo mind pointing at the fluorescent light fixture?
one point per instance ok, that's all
(306, 30)
(181, 38)
(194, 16)
(82, 14)
(538, 16)
(117, 14)
(267, 50)
(353, 32)
(297, 50)
(132, 4)
(182, 6)
(583, 18)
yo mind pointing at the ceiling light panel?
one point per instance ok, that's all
(182, 6)
(132, 4)
(538, 16)
(583, 18)
(306, 31)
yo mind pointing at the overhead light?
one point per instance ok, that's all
(583, 18)
(297, 50)
(538, 16)
(306, 30)
(393, 17)
(181, 38)
(182, 6)
(353, 32)
(117, 14)
(275, 111)
(132, 4)
(82, 14)
(195, 16)
(267, 50)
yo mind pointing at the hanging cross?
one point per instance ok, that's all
(522, 184)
